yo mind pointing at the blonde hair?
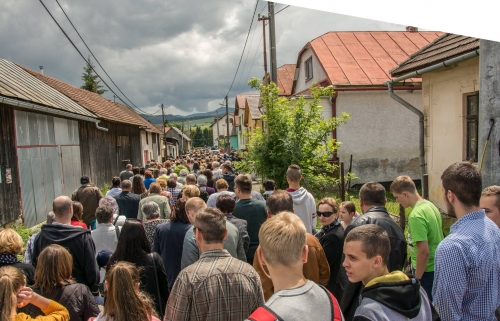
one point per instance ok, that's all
(493, 191)
(221, 184)
(122, 300)
(331, 202)
(10, 242)
(162, 182)
(54, 268)
(403, 184)
(190, 191)
(282, 238)
(11, 280)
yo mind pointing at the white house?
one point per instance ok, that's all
(219, 129)
(381, 136)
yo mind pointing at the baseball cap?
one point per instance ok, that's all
(103, 258)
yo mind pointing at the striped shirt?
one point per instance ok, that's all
(467, 270)
(216, 287)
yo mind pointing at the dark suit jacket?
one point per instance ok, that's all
(128, 204)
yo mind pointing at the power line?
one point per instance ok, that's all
(246, 58)
(255, 55)
(243, 52)
(276, 12)
(76, 48)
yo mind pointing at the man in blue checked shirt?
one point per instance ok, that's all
(467, 265)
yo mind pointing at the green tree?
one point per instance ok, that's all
(297, 134)
(91, 81)
(197, 137)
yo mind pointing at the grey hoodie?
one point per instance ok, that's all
(304, 207)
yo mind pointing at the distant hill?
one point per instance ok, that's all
(176, 118)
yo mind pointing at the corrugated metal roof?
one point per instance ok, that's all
(365, 58)
(253, 103)
(97, 104)
(441, 49)
(15, 82)
(286, 73)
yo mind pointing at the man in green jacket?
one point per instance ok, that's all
(154, 196)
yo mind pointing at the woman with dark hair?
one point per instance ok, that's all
(138, 186)
(53, 280)
(225, 203)
(124, 300)
(210, 180)
(14, 294)
(269, 186)
(115, 188)
(76, 219)
(169, 241)
(148, 179)
(133, 246)
(196, 168)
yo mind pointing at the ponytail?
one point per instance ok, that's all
(11, 280)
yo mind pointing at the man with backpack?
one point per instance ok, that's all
(283, 251)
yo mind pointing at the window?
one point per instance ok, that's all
(309, 68)
(472, 110)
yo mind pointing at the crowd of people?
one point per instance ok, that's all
(189, 239)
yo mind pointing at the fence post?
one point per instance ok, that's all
(342, 182)
(402, 217)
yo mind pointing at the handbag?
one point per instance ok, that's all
(160, 307)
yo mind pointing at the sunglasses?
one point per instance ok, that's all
(325, 214)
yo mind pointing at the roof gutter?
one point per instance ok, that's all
(413, 109)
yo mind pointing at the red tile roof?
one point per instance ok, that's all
(441, 49)
(365, 58)
(240, 102)
(95, 103)
(286, 73)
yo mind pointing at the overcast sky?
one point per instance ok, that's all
(182, 53)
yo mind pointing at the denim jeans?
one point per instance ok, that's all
(426, 282)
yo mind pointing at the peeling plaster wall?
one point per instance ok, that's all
(382, 135)
(443, 96)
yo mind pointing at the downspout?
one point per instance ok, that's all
(99, 127)
(420, 115)
(403, 102)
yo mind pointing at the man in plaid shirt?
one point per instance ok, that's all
(218, 286)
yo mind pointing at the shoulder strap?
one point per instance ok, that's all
(263, 313)
(117, 231)
(116, 219)
(336, 314)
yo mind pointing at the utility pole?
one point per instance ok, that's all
(272, 43)
(227, 126)
(163, 136)
(263, 19)
(182, 137)
(218, 134)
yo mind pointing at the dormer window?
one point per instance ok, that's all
(309, 69)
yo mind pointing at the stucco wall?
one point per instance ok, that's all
(222, 128)
(381, 134)
(443, 98)
(318, 72)
(148, 146)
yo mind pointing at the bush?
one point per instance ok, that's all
(178, 168)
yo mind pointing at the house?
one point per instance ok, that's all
(380, 136)
(40, 144)
(177, 142)
(104, 154)
(219, 131)
(239, 119)
(450, 103)
(253, 112)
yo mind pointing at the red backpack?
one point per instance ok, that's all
(265, 314)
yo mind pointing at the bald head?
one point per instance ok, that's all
(193, 206)
(62, 207)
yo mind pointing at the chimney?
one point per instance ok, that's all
(41, 70)
(411, 29)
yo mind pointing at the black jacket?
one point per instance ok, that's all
(229, 177)
(331, 238)
(28, 270)
(128, 204)
(377, 215)
(79, 243)
(76, 298)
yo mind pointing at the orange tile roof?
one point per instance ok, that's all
(441, 49)
(286, 73)
(365, 58)
(95, 103)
